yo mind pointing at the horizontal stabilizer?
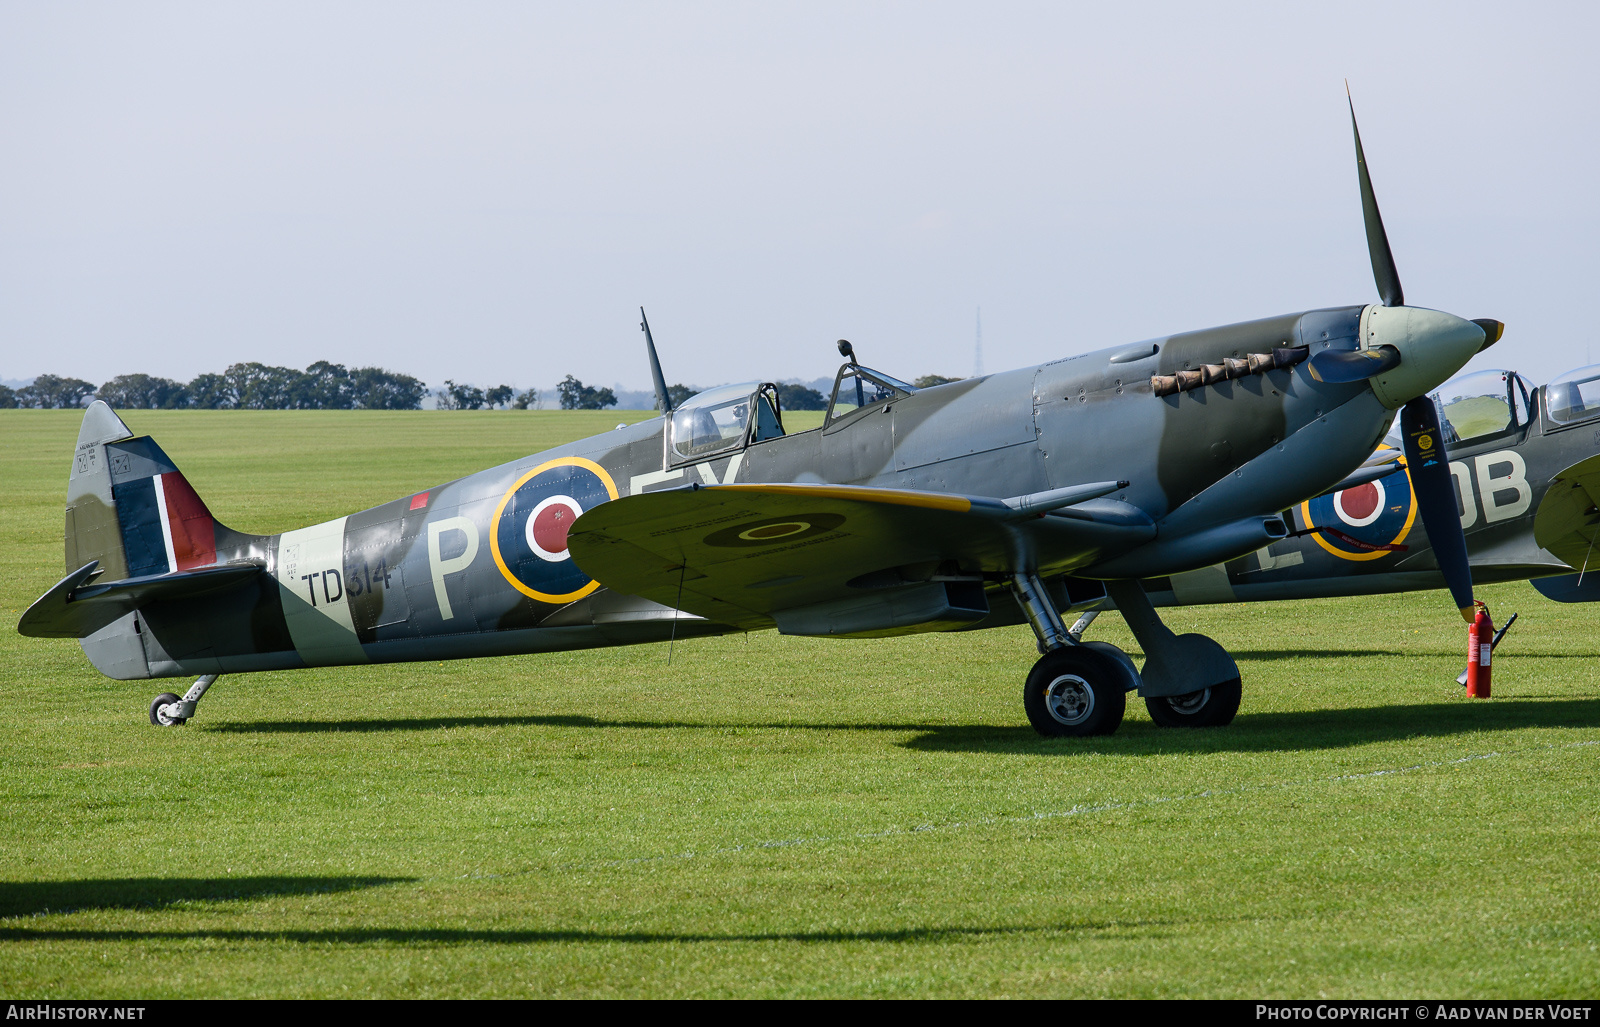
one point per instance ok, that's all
(77, 608)
(1570, 588)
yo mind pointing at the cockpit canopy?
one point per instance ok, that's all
(730, 417)
(857, 388)
(1482, 403)
(725, 418)
(1479, 405)
(1574, 396)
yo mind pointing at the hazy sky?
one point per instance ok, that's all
(488, 192)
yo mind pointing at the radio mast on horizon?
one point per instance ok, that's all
(977, 349)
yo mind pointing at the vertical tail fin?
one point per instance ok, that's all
(92, 531)
(129, 507)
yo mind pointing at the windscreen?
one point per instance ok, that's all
(1477, 404)
(857, 388)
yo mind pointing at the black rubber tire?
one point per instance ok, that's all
(1209, 707)
(1130, 673)
(159, 701)
(1075, 692)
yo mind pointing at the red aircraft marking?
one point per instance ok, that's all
(1360, 501)
(551, 526)
(189, 524)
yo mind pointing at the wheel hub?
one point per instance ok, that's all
(1070, 699)
(1190, 704)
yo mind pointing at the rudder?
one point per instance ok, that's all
(129, 507)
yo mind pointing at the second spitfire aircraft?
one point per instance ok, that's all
(975, 504)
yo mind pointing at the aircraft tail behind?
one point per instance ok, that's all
(130, 508)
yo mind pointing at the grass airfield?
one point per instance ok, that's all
(771, 816)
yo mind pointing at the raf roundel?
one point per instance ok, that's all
(772, 530)
(547, 525)
(529, 539)
(1379, 512)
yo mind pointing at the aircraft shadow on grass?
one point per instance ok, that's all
(571, 720)
(1251, 732)
(454, 936)
(34, 898)
(538, 720)
(1272, 732)
(1269, 655)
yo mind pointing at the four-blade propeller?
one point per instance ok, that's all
(1429, 465)
(1426, 457)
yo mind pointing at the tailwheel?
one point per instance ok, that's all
(1075, 691)
(161, 719)
(1209, 707)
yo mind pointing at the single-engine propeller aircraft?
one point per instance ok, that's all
(1525, 461)
(980, 503)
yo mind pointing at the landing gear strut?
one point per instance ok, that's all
(167, 710)
(1187, 680)
(1074, 690)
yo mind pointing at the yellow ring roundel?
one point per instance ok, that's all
(1389, 524)
(577, 486)
(773, 532)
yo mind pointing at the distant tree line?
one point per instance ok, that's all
(791, 396)
(794, 396)
(577, 396)
(248, 386)
(470, 397)
(48, 391)
(327, 386)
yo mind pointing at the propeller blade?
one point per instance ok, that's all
(1429, 465)
(1383, 269)
(1492, 330)
(1338, 366)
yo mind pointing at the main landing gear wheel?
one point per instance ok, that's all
(1073, 692)
(161, 719)
(1209, 707)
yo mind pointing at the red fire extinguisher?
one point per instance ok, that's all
(1480, 649)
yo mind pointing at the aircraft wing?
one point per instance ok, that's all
(740, 553)
(1569, 515)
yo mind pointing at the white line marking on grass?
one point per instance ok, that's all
(1073, 811)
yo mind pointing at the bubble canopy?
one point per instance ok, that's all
(1479, 405)
(723, 418)
(1574, 396)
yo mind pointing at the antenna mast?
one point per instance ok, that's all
(663, 397)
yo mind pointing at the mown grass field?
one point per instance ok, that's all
(769, 816)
